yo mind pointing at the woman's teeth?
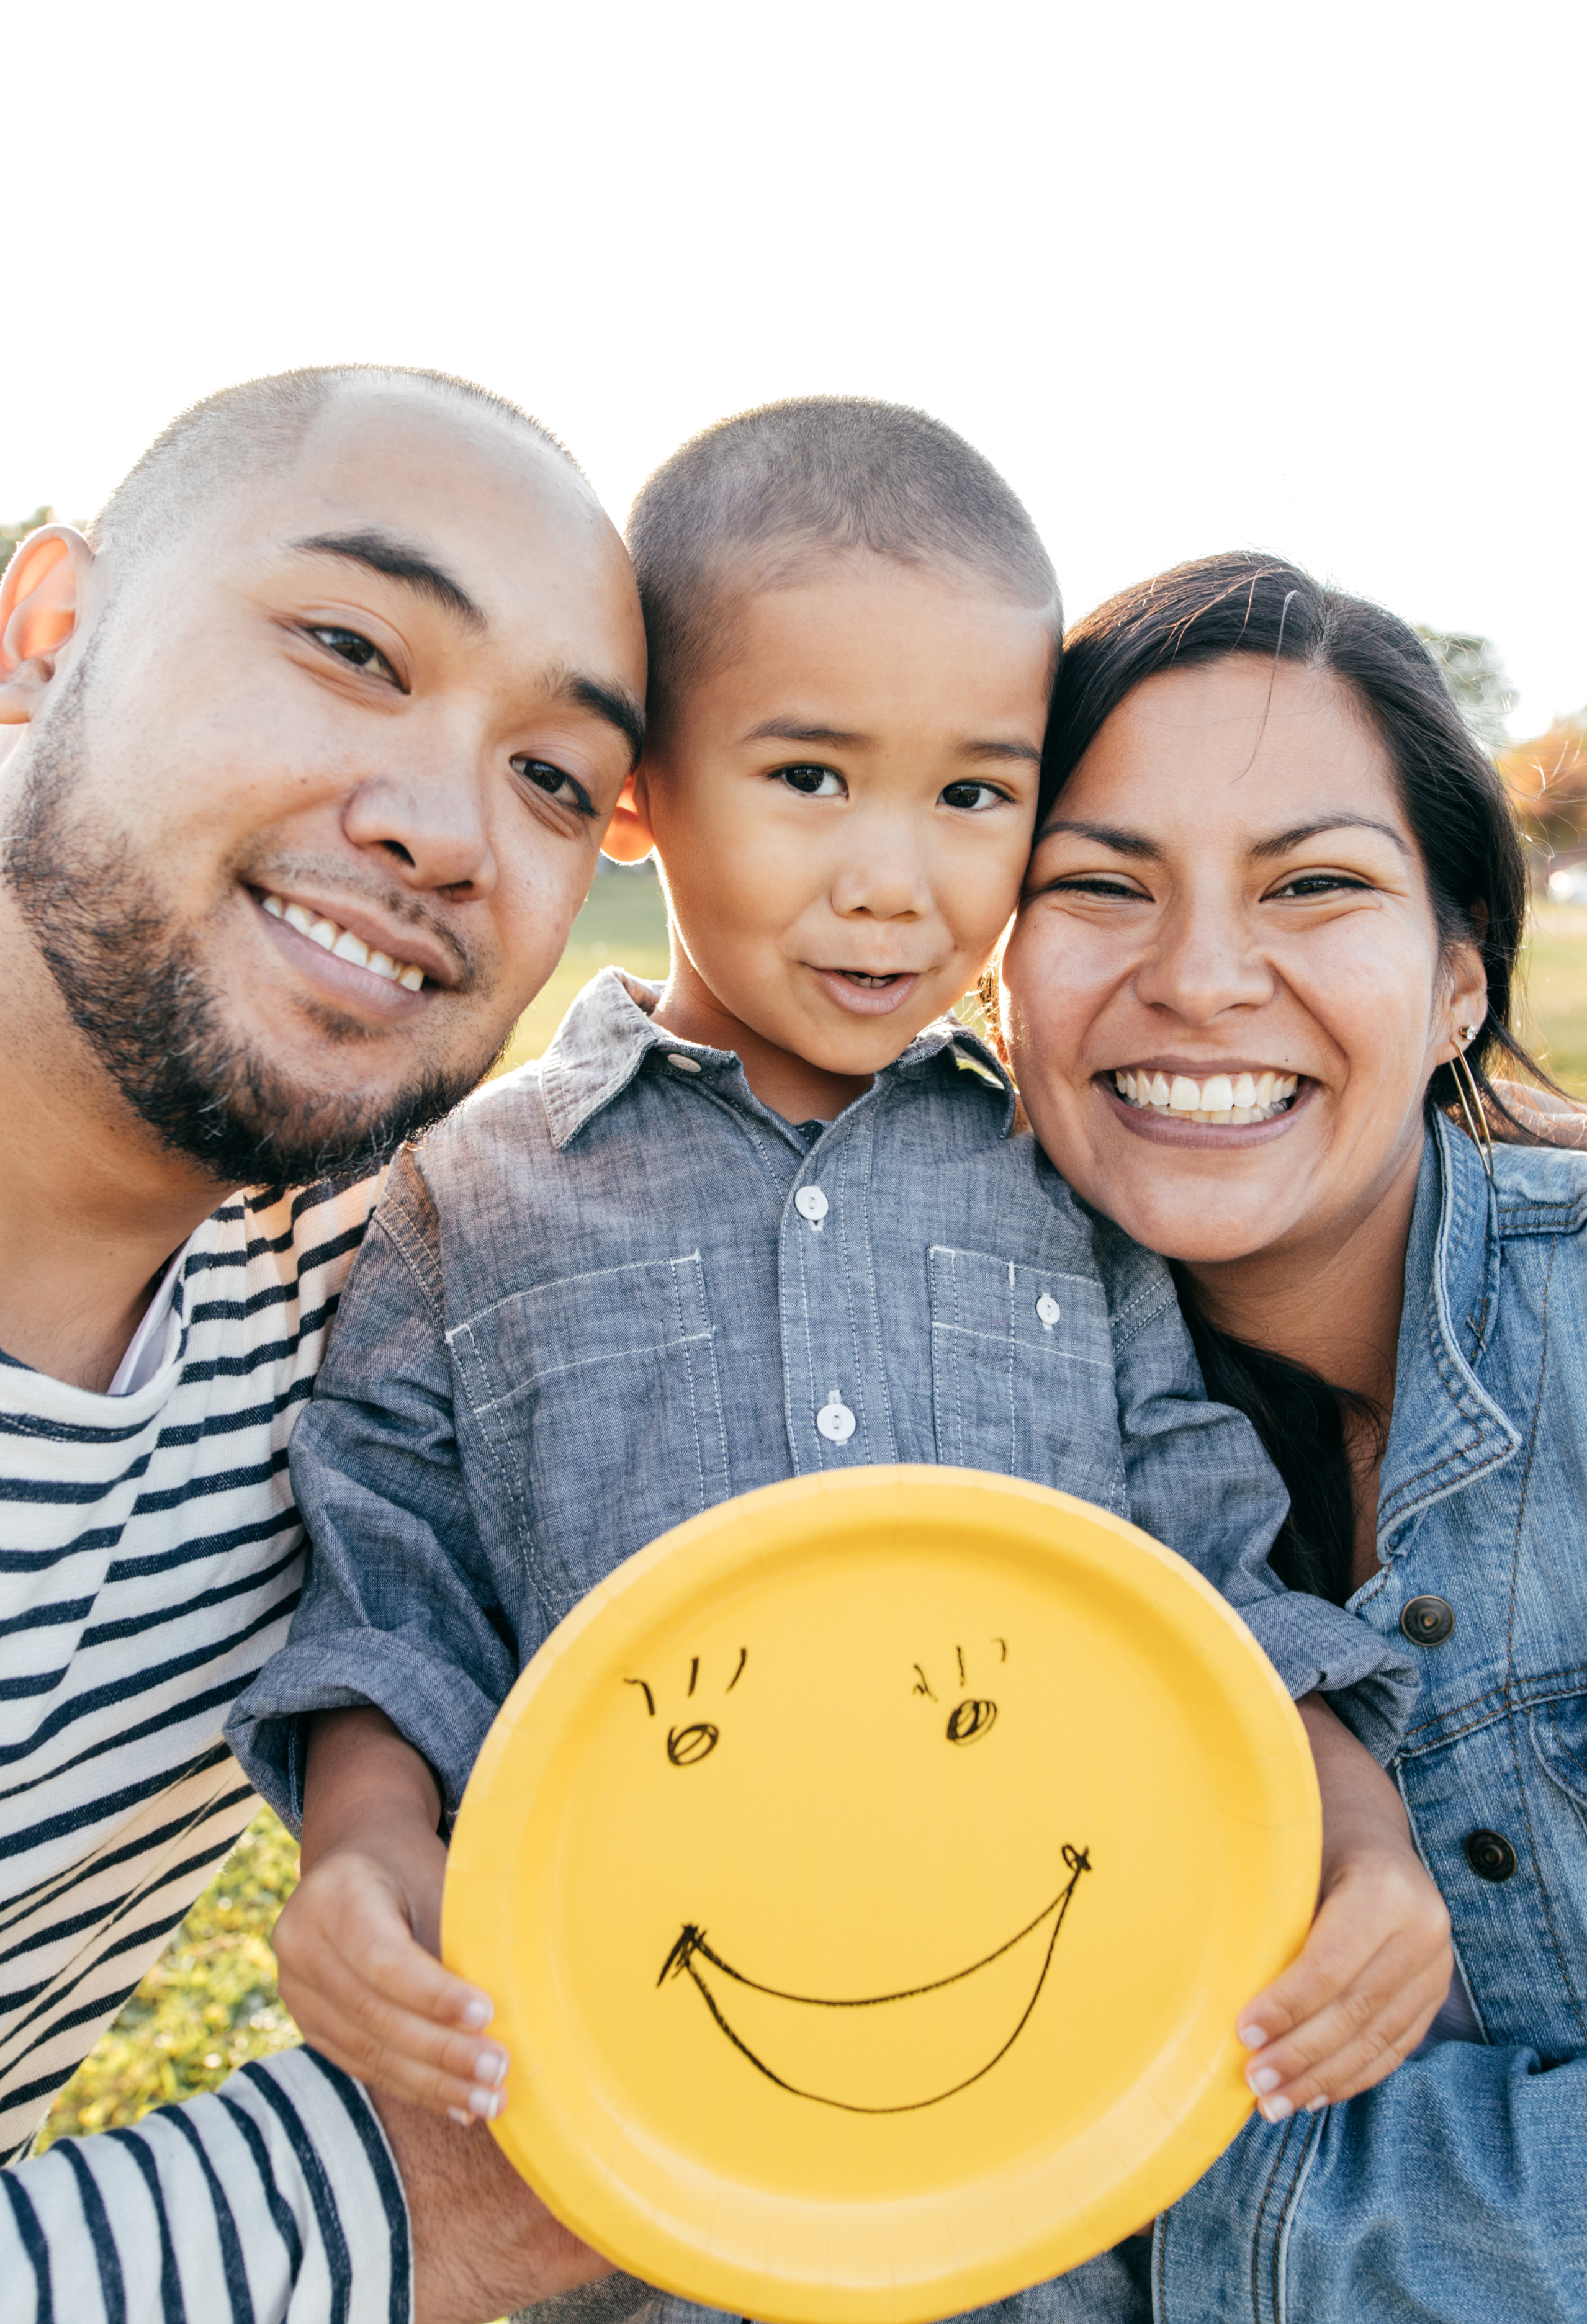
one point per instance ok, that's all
(344, 945)
(1223, 1097)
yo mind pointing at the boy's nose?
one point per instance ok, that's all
(883, 884)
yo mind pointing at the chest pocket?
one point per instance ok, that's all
(1022, 1374)
(598, 1401)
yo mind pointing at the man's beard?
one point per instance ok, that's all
(136, 990)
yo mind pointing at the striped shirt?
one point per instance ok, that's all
(275, 2198)
(150, 1558)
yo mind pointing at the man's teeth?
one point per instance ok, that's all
(344, 945)
(1223, 1097)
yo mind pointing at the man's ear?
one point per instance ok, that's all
(41, 598)
(629, 837)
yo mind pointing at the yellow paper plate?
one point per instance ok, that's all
(869, 1875)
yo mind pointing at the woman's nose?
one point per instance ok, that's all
(1206, 961)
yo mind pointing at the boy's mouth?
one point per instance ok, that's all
(864, 992)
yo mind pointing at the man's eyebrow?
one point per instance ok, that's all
(387, 553)
(1284, 843)
(1104, 835)
(614, 704)
(800, 730)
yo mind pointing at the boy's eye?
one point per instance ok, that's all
(356, 649)
(974, 796)
(557, 784)
(814, 782)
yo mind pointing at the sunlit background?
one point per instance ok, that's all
(1194, 277)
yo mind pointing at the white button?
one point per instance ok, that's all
(834, 1420)
(1047, 1308)
(684, 1065)
(811, 1204)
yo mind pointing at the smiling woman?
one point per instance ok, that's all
(1264, 963)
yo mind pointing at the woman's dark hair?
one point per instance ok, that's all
(1460, 815)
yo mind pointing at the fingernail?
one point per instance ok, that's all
(1317, 2105)
(1275, 2109)
(1253, 2036)
(1263, 2079)
(457, 2114)
(486, 2104)
(478, 2013)
(490, 2068)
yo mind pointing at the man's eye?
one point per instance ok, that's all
(814, 782)
(356, 649)
(974, 796)
(557, 784)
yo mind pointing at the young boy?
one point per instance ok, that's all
(769, 1221)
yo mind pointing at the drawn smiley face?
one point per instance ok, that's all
(842, 2050)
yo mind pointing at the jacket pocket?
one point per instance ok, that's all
(598, 1402)
(1022, 1374)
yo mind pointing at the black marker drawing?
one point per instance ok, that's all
(691, 1949)
(974, 1716)
(687, 1746)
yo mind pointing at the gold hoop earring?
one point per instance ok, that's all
(1471, 1098)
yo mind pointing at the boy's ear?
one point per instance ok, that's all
(41, 598)
(629, 837)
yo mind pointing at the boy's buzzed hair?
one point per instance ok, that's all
(746, 503)
(221, 443)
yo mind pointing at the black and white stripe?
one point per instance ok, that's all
(150, 1559)
(220, 2211)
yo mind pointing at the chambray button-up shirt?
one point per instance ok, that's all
(614, 1289)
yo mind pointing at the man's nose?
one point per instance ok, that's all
(430, 829)
(1206, 960)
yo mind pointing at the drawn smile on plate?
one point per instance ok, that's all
(883, 2052)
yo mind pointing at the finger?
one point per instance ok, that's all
(443, 2071)
(1355, 2041)
(358, 1919)
(1399, 1923)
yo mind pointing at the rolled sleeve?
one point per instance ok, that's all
(399, 1610)
(1199, 1480)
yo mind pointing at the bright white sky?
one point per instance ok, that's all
(1195, 277)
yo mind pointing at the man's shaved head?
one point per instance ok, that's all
(220, 446)
(751, 502)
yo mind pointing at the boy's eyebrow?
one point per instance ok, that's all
(798, 730)
(1025, 751)
(387, 553)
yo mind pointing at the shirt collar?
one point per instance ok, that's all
(602, 1042)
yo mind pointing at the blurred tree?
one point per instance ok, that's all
(1547, 780)
(1475, 677)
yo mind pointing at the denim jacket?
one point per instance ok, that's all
(614, 1289)
(1458, 2188)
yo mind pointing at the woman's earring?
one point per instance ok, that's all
(1471, 1098)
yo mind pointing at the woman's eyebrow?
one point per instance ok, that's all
(1284, 843)
(1104, 835)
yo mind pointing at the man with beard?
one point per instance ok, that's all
(305, 758)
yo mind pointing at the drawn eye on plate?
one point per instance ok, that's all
(693, 1740)
(972, 1716)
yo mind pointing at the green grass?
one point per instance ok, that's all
(211, 2003)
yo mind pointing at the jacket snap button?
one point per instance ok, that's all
(684, 1065)
(834, 1420)
(1489, 1855)
(1427, 1621)
(811, 1204)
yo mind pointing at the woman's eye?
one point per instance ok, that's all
(974, 797)
(814, 782)
(356, 649)
(1319, 884)
(557, 784)
(1093, 883)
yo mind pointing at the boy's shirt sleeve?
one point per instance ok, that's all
(1198, 1480)
(399, 1610)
